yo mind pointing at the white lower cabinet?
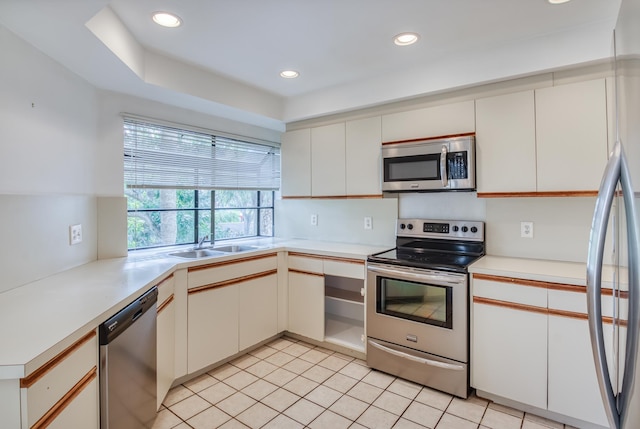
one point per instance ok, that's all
(531, 344)
(231, 305)
(166, 338)
(306, 304)
(509, 354)
(258, 311)
(212, 325)
(63, 392)
(573, 387)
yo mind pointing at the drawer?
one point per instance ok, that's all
(352, 268)
(309, 264)
(49, 383)
(510, 290)
(237, 268)
(166, 288)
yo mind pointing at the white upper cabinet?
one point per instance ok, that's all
(296, 163)
(363, 142)
(571, 136)
(448, 119)
(506, 143)
(328, 160)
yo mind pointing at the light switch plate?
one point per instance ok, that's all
(75, 234)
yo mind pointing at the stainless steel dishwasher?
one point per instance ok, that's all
(128, 366)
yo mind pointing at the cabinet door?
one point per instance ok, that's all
(448, 119)
(328, 160)
(571, 133)
(363, 150)
(509, 353)
(166, 340)
(258, 310)
(296, 163)
(212, 326)
(506, 143)
(573, 386)
(82, 412)
(306, 304)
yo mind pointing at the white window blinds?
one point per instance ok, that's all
(160, 156)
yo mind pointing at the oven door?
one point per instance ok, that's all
(421, 309)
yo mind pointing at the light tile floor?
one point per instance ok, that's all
(291, 384)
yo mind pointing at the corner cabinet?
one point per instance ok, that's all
(333, 161)
(530, 344)
(63, 393)
(231, 305)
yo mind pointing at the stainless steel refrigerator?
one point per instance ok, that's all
(616, 211)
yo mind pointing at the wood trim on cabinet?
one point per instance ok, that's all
(307, 273)
(60, 406)
(511, 305)
(332, 197)
(169, 277)
(537, 194)
(165, 303)
(547, 285)
(450, 136)
(231, 282)
(36, 375)
(328, 258)
(512, 280)
(231, 262)
(583, 316)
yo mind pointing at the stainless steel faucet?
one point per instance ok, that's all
(202, 240)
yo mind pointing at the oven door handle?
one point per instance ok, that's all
(455, 279)
(404, 355)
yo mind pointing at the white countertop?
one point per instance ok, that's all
(50, 314)
(573, 273)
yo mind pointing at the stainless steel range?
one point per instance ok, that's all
(418, 303)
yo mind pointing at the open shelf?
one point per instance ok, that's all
(344, 331)
(344, 294)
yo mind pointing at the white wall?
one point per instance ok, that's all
(338, 220)
(47, 124)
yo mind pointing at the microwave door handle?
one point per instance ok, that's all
(443, 166)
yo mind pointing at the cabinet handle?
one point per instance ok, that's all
(429, 362)
(443, 166)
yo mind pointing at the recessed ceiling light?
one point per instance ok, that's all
(166, 19)
(558, 1)
(289, 74)
(405, 39)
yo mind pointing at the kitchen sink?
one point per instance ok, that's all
(235, 248)
(198, 253)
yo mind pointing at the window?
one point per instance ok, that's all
(183, 185)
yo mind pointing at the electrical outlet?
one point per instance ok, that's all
(526, 229)
(75, 234)
(314, 219)
(368, 222)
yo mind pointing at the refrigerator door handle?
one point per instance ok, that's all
(630, 370)
(595, 259)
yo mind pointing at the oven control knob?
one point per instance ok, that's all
(403, 226)
(474, 229)
(455, 228)
(465, 229)
(410, 226)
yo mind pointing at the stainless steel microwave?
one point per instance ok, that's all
(439, 164)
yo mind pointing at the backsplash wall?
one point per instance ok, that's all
(338, 220)
(35, 236)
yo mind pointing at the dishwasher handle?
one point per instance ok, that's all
(119, 322)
